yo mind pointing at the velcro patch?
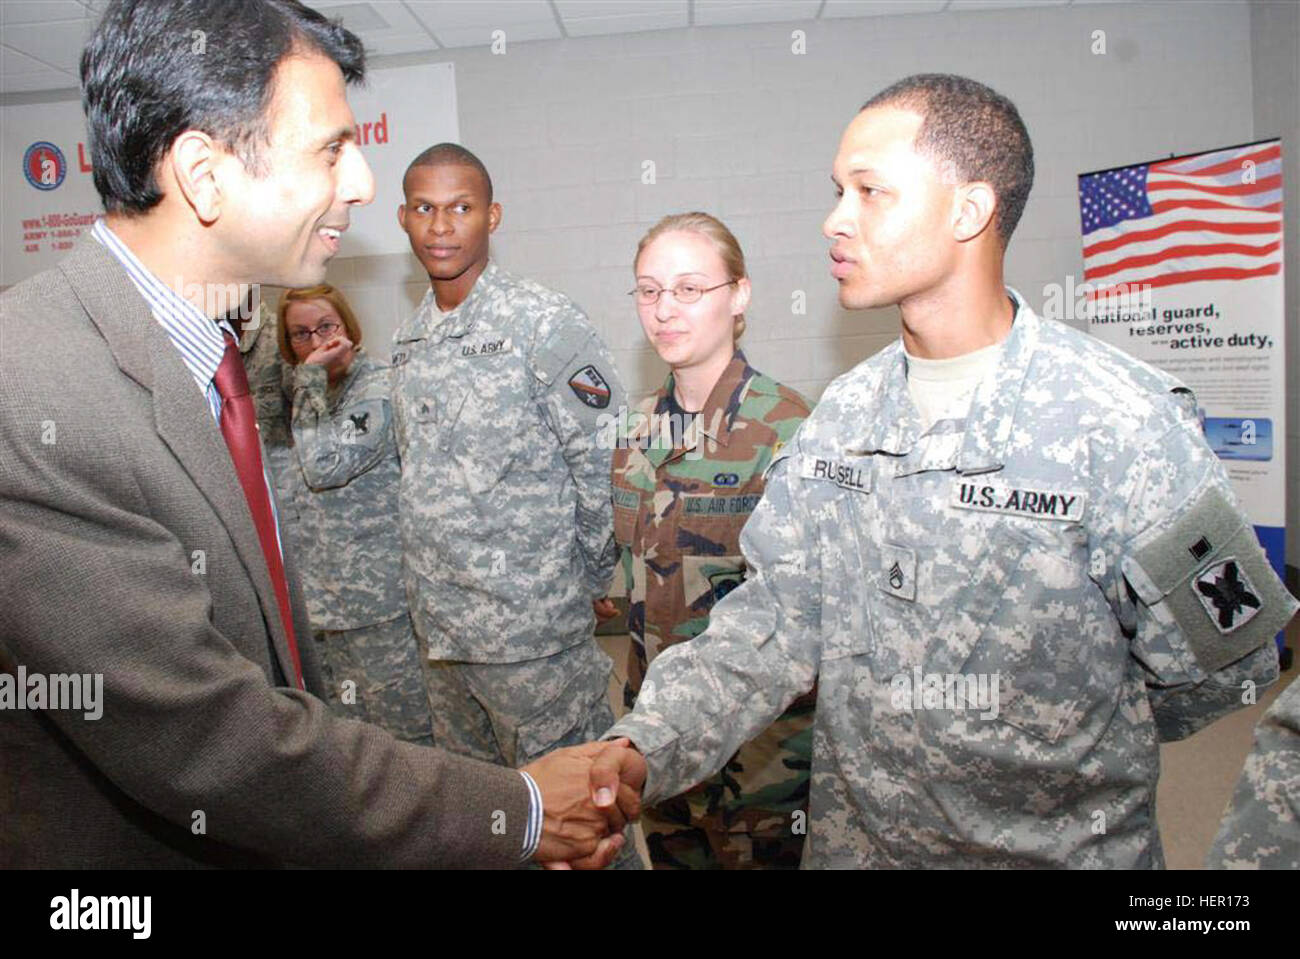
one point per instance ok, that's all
(716, 504)
(492, 347)
(1229, 597)
(626, 498)
(590, 387)
(1065, 506)
(898, 571)
(852, 475)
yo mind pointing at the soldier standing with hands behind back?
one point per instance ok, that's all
(507, 526)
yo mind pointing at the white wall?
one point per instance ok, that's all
(740, 126)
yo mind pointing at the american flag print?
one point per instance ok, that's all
(1210, 216)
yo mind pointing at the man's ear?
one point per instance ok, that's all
(191, 164)
(401, 215)
(975, 205)
(494, 217)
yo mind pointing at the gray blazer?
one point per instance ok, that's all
(127, 550)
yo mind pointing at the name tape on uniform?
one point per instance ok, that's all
(716, 504)
(1064, 506)
(486, 348)
(845, 475)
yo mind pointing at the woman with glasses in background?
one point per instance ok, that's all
(687, 475)
(350, 559)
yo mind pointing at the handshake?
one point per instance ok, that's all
(589, 795)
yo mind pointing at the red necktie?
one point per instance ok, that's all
(239, 427)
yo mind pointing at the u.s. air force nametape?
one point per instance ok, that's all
(854, 475)
(1032, 502)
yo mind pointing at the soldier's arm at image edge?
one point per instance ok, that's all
(1261, 827)
(760, 652)
(334, 449)
(566, 360)
(1206, 601)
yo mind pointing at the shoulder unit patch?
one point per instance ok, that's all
(590, 387)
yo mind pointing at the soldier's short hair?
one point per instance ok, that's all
(974, 128)
(324, 292)
(442, 154)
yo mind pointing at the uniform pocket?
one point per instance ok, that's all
(1015, 646)
(573, 716)
(707, 579)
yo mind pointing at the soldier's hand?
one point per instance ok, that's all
(604, 609)
(337, 353)
(575, 834)
(618, 777)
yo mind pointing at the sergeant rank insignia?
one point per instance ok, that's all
(1229, 598)
(590, 387)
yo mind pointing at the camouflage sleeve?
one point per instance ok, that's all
(1261, 829)
(702, 700)
(334, 448)
(579, 385)
(1194, 590)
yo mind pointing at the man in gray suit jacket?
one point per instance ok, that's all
(128, 548)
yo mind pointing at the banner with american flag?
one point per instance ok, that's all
(1212, 216)
(1182, 267)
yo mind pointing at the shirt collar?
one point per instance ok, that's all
(462, 318)
(894, 425)
(196, 337)
(720, 408)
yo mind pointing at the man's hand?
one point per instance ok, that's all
(575, 834)
(604, 609)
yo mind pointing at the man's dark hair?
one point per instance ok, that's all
(156, 68)
(441, 154)
(976, 129)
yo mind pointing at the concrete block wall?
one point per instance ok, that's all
(738, 124)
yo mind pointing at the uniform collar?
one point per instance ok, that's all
(894, 425)
(719, 411)
(464, 317)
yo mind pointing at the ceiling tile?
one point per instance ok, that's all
(872, 8)
(31, 82)
(709, 13)
(585, 19)
(56, 44)
(39, 11)
(959, 6)
(384, 26)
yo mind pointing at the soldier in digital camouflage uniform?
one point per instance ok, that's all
(350, 553)
(498, 385)
(1005, 612)
(681, 497)
(1261, 828)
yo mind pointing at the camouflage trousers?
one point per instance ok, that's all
(753, 814)
(373, 674)
(512, 713)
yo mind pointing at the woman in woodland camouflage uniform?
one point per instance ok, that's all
(687, 474)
